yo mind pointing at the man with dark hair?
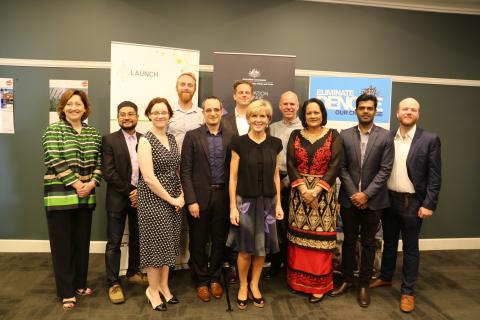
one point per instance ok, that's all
(366, 165)
(414, 187)
(120, 171)
(236, 120)
(204, 180)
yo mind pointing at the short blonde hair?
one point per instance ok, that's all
(259, 106)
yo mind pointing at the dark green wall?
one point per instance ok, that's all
(322, 36)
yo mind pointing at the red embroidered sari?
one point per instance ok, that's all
(311, 232)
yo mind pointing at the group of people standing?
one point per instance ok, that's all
(258, 188)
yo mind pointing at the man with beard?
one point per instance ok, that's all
(413, 187)
(204, 180)
(120, 168)
(186, 116)
(366, 165)
(282, 129)
(236, 120)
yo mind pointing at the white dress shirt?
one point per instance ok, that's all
(399, 181)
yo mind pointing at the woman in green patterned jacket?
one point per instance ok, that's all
(72, 153)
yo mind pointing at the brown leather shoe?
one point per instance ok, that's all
(407, 303)
(138, 278)
(363, 297)
(380, 283)
(340, 290)
(203, 293)
(216, 290)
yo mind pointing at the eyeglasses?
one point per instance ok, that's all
(157, 113)
(127, 115)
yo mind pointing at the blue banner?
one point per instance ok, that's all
(339, 95)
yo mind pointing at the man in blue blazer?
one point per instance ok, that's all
(366, 165)
(413, 188)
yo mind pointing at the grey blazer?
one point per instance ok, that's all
(377, 166)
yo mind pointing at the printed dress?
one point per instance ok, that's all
(158, 222)
(312, 160)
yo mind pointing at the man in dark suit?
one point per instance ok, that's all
(236, 120)
(366, 165)
(204, 178)
(413, 187)
(120, 171)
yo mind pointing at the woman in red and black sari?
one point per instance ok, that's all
(313, 160)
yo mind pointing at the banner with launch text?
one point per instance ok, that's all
(271, 75)
(339, 95)
(142, 72)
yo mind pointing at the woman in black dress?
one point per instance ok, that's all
(254, 190)
(160, 198)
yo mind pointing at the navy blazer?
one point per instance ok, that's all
(195, 172)
(117, 170)
(424, 166)
(376, 169)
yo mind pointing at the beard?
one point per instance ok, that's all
(128, 127)
(185, 97)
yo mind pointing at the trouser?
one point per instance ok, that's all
(366, 223)
(401, 217)
(212, 224)
(282, 225)
(69, 233)
(115, 229)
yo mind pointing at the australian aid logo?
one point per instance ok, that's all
(339, 96)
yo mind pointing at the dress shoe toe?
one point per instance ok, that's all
(340, 290)
(379, 283)
(203, 293)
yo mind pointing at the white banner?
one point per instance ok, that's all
(140, 73)
(6, 105)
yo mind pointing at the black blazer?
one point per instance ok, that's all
(424, 167)
(117, 170)
(195, 171)
(229, 122)
(377, 167)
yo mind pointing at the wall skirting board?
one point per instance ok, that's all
(14, 245)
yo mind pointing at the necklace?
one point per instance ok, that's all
(313, 137)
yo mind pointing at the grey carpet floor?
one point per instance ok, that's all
(448, 288)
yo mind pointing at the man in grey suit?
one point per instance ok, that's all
(367, 162)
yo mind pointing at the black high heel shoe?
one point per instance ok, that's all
(242, 304)
(161, 307)
(172, 300)
(313, 299)
(257, 302)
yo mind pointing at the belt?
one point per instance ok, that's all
(402, 195)
(217, 187)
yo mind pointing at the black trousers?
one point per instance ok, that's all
(355, 222)
(282, 226)
(212, 224)
(69, 233)
(401, 217)
(115, 228)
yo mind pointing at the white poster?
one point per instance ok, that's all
(57, 88)
(140, 73)
(6, 105)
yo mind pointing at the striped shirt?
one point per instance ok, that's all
(70, 156)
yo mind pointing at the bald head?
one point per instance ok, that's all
(288, 105)
(408, 112)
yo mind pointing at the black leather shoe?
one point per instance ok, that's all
(313, 299)
(340, 290)
(173, 300)
(363, 297)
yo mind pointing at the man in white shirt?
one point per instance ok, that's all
(186, 115)
(414, 186)
(288, 106)
(236, 120)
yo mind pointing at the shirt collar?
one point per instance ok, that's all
(219, 130)
(238, 114)
(128, 136)
(193, 109)
(410, 134)
(369, 130)
(291, 123)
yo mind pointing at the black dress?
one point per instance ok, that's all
(256, 193)
(158, 222)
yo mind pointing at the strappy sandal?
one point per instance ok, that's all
(68, 304)
(84, 292)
